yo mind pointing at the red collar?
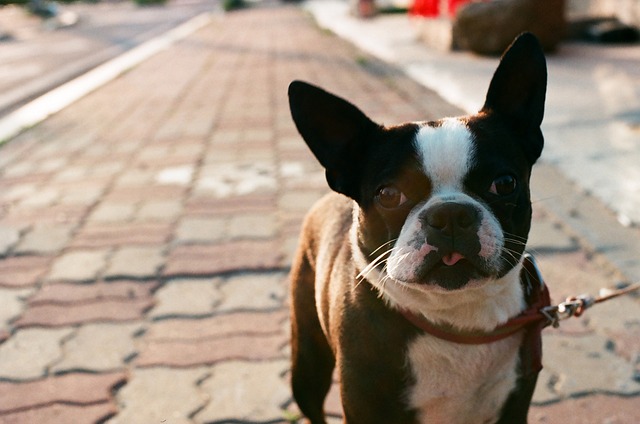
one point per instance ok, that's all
(532, 319)
(451, 334)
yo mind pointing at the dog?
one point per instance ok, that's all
(428, 222)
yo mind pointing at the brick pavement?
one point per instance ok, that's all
(146, 233)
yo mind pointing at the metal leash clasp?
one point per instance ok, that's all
(571, 307)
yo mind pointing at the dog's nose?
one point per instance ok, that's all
(451, 218)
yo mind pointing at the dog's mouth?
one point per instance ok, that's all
(452, 270)
(452, 258)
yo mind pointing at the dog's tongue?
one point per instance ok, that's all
(452, 258)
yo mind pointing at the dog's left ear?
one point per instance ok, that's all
(518, 88)
(336, 131)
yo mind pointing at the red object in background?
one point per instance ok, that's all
(428, 8)
(431, 8)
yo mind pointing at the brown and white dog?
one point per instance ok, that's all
(431, 221)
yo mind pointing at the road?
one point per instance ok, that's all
(36, 58)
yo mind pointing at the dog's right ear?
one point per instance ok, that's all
(336, 132)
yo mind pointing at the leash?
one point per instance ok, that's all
(575, 306)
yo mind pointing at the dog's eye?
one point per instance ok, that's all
(390, 197)
(503, 185)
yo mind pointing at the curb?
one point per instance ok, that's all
(60, 97)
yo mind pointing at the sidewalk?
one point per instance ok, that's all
(146, 233)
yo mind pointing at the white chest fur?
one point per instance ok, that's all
(461, 384)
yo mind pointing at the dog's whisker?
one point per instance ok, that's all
(514, 236)
(376, 262)
(383, 245)
(512, 257)
(516, 242)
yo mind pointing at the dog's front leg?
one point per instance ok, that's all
(312, 358)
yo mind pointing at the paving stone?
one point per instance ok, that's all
(40, 198)
(247, 323)
(152, 192)
(209, 259)
(23, 271)
(545, 236)
(197, 230)
(187, 297)
(627, 342)
(75, 388)
(105, 235)
(299, 200)
(153, 153)
(16, 192)
(571, 274)
(98, 348)
(62, 414)
(252, 226)
(245, 391)
(254, 203)
(592, 368)
(68, 293)
(253, 291)
(52, 164)
(12, 301)
(107, 310)
(29, 352)
(235, 179)
(56, 214)
(544, 392)
(79, 265)
(615, 315)
(594, 409)
(221, 154)
(225, 136)
(108, 168)
(264, 134)
(71, 174)
(86, 195)
(178, 175)
(181, 353)
(9, 236)
(159, 395)
(135, 262)
(164, 210)
(135, 177)
(113, 212)
(44, 239)
(20, 170)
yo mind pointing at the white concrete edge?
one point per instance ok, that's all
(57, 99)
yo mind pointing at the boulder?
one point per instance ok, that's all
(489, 27)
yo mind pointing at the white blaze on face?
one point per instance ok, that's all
(446, 152)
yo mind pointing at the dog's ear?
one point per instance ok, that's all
(336, 132)
(518, 88)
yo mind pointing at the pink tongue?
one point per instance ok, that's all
(452, 259)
